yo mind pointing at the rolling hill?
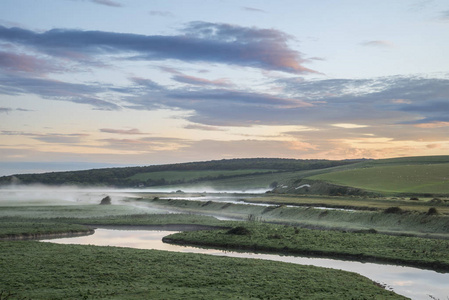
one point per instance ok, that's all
(407, 176)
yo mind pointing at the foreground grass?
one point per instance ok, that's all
(50, 271)
(429, 253)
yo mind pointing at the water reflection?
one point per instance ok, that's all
(410, 282)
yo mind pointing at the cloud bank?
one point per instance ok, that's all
(199, 42)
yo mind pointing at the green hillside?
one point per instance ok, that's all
(414, 175)
(176, 174)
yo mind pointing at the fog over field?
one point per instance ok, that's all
(39, 194)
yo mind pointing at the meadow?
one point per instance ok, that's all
(39, 270)
(400, 179)
(398, 213)
(364, 245)
(50, 271)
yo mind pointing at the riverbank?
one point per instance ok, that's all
(397, 222)
(362, 246)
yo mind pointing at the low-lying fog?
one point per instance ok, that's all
(64, 195)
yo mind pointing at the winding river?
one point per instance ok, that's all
(411, 282)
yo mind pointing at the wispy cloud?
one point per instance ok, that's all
(24, 63)
(5, 110)
(8, 109)
(107, 3)
(55, 138)
(200, 81)
(183, 78)
(160, 13)
(200, 42)
(378, 43)
(252, 9)
(56, 90)
(203, 127)
(132, 131)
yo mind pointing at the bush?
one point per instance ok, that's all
(432, 211)
(105, 201)
(393, 210)
(239, 230)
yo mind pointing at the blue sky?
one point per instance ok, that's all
(115, 82)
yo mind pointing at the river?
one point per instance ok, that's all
(415, 283)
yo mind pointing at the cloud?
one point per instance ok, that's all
(444, 15)
(225, 97)
(348, 125)
(159, 13)
(383, 44)
(148, 145)
(5, 110)
(54, 138)
(200, 42)
(56, 90)
(432, 125)
(121, 131)
(252, 9)
(200, 81)
(107, 3)
(23, 63)
(182, 78)
(203, 127)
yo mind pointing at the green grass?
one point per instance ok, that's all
(412, 223)
(38, 270)
(171, 176)
(431, 253)
(432, 179)
(20, 228)
(69, 211)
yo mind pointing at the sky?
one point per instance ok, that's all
(98, 83)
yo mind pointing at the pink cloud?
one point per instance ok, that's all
(432, 125)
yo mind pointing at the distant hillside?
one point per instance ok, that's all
(424, 176)
(178, 174)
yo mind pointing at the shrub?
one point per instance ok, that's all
(105, 201)
(239, 230)
(432, 211)
(393, 210)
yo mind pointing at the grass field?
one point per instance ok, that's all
(431, 179)
(431, 253)
(50, 271)
(172, 176)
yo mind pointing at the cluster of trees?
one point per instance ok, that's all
(120, 177)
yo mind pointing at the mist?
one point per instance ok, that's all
(38, 194)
